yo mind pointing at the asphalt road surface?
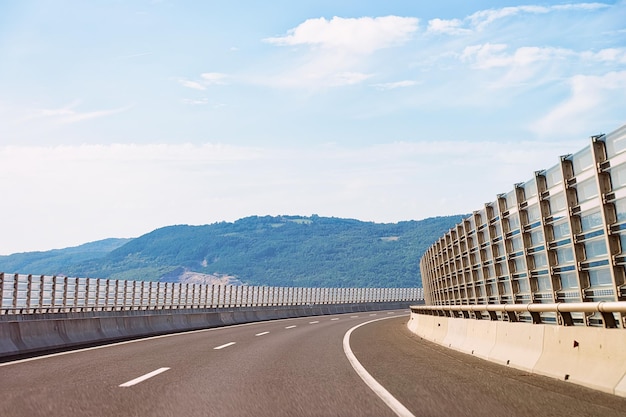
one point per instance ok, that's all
(294, 367)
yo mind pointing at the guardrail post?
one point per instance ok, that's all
(29, 289)
(566, 318)
(15, 288)
(609, 320)
(75, 298)
(41, 291)
(145, 299)
(86, 299)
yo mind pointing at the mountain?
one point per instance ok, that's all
(49, 262)
(277, 251)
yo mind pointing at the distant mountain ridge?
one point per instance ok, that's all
(58, 259)
(270, 250)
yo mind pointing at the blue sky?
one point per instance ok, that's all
(119, 117)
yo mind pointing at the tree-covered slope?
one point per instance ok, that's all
(278, 251)
(49, 262)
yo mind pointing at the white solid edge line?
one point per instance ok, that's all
(143, 377)
(395, 405)
(225, 345)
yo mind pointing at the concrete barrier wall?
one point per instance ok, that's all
(588, 356)
(32, 334)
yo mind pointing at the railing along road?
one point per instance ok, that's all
(20, 294)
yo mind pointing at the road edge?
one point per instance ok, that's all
(391, 402)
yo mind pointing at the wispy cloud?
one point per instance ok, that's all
(192, 84)
(450, 26)
(394, 85)
(480, 20)
(206, 79)
(536, 65)
(70, 114)
(354, 35)
(196, 102)
(590, 96)
(335, 52)
(214, 78)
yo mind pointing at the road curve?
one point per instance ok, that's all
(431, 380)
(294, 367)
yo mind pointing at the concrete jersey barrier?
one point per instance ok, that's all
(590, 356)
(41, 333)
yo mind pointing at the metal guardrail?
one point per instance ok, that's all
(24, 294)
(603, 313)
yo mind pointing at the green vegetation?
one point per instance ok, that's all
(278, 251)
(52, 261)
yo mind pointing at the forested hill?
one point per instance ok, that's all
(277, 251)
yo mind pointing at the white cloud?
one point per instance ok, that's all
(486, 55)
(214, 78)
(207, 79)
(483, 18)
(337, 50)
(590, 96)
(396, 84)
(68, 114)
(198, 102)
(450, 27)
(580, 6)
(609, 55)
(192, 84)
(537, 65)
(355, 35)
(348, 78)
(478, 21)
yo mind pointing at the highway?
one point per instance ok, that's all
(294, 367)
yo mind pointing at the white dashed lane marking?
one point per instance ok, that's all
(261, 334)
(143, 378)
(224, 345)
(290, 327)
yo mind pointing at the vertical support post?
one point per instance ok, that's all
(76, 287)
(97, 300)
(145, 299)
(53, 296)
(29, 289)
(41, 291)
(16, 278)
(86, 299)
(106, 293)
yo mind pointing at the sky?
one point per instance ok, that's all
(120, 117)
